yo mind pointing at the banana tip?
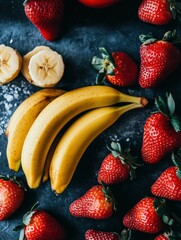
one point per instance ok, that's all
(144, 101)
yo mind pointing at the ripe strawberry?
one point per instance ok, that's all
(118, 68)
(143, 217)
(96, 203)
(172, 235)
(158, 59)
(11, 196)
(162, 237)
(158, 12)
(92, 234)
(168, 185)
(46, 15)
(162, 133)
(98, 235)
(117, 166)
(39, 225)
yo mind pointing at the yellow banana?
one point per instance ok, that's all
(54, 117)
(21, 121)
(77, 138)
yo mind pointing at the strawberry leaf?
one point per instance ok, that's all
(160, 206)
(97, 63)
(168, 220)
(100, 76)
(107, 55)
(126, 234)
(176, 123)
(22, 235)
(147, 39)
(171, 104)
(162, 106)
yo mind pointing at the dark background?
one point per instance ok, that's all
(84, 30)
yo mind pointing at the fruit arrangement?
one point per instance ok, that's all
(98, 149)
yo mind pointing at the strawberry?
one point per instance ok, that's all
(117, 166)
(117, 67)
(11, 196)
(162, 133)
(98, 235)
(171, 235)
(96, 203)
(168, 184)
(40, 225)
(161, 237)
(159, 58)
(158, 12)
(46, 15)
(143, 217)
(92, 234)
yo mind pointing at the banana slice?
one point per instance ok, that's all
(10, 64)
(26, 60)
(46, 68)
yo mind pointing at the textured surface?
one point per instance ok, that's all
(84, 29)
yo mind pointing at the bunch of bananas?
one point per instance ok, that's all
(33, 128)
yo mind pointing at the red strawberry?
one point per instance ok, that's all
(11, 196)
(39, 225)
(143, 217)
(162, 237)
(96, 203)
(158, 12)
(162, 133)
(158, 60)
(117, 166)
(118, 67)
(98, 235)
(92, 234)
(168, 185)
(46, 15)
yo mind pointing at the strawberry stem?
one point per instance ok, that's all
(104, 66)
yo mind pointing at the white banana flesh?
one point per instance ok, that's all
(55, 116)
(21, 121)
(77, 138)
(26, 61)
(10, 64)
(46, 68)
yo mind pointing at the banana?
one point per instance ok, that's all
(26, 60)
(77, 138)
(10, 64)
(21, 121)
(46, 68)
(54, 117)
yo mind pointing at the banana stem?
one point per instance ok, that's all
(126, 108)
(132, 99)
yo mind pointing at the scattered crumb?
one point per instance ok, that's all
(11, 96)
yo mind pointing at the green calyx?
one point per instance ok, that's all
(176, 158)
(167, 108)
(14, 180)
(108, 195)
(169, 36)
(126, 234)
(25, 2)
(104, 66)
(125, 157)
(169, 218)
(175, 8)
(26, 221)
